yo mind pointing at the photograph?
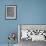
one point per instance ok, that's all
(10, 11)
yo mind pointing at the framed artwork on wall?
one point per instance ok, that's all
(10, 12)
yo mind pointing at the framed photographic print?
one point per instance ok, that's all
(10, 12)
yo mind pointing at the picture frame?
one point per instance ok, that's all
(10, 12)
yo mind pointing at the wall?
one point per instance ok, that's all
(28, 12)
